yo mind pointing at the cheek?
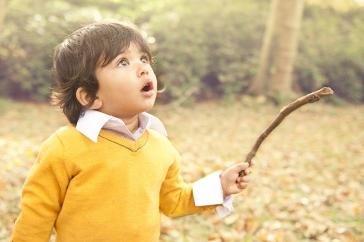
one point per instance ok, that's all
(121, 87)
(154, 78)
(117, 84)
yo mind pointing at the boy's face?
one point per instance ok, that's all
(127, 85)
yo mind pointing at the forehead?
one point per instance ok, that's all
(132, 48)
(110, 54)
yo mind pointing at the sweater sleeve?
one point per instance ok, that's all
(176, 196)
(43, 194)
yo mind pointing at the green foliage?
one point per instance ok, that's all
(31, 32)
(212, 50)
(332, 52)
(202, 50)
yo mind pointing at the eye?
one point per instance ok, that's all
(123, 62)
(144, 59)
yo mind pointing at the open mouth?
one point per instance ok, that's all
(147, 87)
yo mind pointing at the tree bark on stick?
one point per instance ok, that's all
(284, 112)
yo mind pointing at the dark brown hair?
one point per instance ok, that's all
(77, 57)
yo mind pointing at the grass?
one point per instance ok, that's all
(307, 183)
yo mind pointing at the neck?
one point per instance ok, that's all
(132, 123)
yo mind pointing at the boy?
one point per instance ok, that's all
(109, 174)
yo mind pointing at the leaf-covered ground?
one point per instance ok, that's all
(307, 182)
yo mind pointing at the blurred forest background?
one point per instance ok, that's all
(232, 64)
(203, 49)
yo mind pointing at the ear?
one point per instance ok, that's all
(97, 104)
(84, 99)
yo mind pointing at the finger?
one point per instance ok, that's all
(235, 189)
(242, 185)
(244, 172)
(245, 179)
(242, 179)
(241, 166)
(248, 171)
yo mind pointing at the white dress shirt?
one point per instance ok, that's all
(206, 191)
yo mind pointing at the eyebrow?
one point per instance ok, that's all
(126, 53)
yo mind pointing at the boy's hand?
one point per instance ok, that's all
(231, 182)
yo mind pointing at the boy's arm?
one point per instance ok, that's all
(176, 196)
(208, 190)
(43, 194)
(218, 187)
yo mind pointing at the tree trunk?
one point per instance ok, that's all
(2, 13)
(279, 49)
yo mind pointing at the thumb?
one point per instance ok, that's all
(241, 166)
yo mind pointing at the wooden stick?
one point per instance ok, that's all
(285, 111)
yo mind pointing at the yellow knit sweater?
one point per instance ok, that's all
(112, 190)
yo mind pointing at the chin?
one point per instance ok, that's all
(148, 106)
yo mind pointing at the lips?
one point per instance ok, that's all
(148, 89)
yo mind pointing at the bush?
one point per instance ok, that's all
(202, 51)
(332, 52)
(211, 50)
(32, 31)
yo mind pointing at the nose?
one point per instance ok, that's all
(142, 70)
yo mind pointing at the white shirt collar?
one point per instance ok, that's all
(92, 121)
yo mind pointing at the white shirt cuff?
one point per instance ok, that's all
(208, 191)
(226, 208)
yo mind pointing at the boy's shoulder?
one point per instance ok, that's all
(162, 139)
(154, 134)
(68, 134)
(64, 138)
